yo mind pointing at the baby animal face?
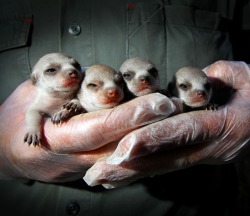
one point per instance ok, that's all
(57, 72)
(194, 94)
(102, 88)
(193, 87)
(140, 75)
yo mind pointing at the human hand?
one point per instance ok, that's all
(72, 147)
(184, 140)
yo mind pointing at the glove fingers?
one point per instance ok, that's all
(111, 176)
(173, 132)
(231, 74)
(92, 130)
(193, 127)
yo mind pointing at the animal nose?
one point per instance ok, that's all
(113, 93)
(144, 79)
(200, 94)
(73, 74)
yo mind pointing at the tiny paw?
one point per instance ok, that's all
(73, 105)
(68, 105)
(58, 117)
(32, 138)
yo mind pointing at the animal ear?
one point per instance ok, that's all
(118, 77)
(33, 78)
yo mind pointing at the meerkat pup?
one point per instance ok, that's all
(193, 87)
(57, 78)
(140, 75)
(101, 88)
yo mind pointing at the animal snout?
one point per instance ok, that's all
(145, 80)
(112, 93)
(200, 94)
(73, 74)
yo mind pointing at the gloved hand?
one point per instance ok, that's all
(184, 140)
(72, 147)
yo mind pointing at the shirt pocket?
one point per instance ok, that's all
(174, 36)
(195, 37)
(146, 32)
(15, 31)
(14, 52)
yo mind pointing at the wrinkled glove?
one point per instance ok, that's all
(187, 139)
(72, 147)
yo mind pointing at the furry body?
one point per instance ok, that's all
(101, 88)
(57, 78)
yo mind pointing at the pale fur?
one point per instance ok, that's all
(101, 88)
(54, 89)
(139, 80)
(198, 92)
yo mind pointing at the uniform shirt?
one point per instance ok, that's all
(170, 33)
(173, 34)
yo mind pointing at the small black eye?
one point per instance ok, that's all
(183, 86)
(51, 70)
(126, 76)
(92, 85)
(153, 71)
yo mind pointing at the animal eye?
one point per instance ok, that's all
(183, 86)
(51, 70)
(153, 71)
(126, 76)
(92, 85)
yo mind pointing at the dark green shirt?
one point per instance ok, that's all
(172, 34)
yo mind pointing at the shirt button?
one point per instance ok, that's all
(75, 30)
(72, 208)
